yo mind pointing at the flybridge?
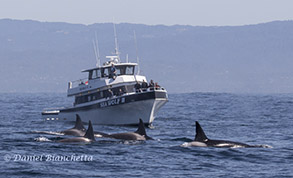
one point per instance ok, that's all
(113, 60)
(104, 71)
(102, 76)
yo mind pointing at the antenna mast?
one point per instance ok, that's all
(97, 51)
(116, 43)
(137, 59)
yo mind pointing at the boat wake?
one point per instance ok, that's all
(132, 142)
(199, 144)
(47, 132)
(42, 139)
(263, 146)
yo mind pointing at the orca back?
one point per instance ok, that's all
(200, 135)
(141, 128)
(78, 124)
(90, 132)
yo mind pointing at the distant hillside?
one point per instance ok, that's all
(43, 57)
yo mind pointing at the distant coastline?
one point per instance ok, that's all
(43, 56)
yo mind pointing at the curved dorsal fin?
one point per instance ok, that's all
(200, 135)
(90, 132)
(78, 124)
(141, 129)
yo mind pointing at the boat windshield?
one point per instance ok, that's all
(125, 70)
(95, 74)
(104, 72)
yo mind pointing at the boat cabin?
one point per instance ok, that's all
(100, 84)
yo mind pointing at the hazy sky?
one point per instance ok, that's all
(168, 12)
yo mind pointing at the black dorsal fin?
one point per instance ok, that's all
(141, 129)
(90, 132)
(78, 124)
(200, 135)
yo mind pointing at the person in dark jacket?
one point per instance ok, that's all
(137, 87)
(151, 85)
(109, 93)
(144, 86)
(113, 72)
(120, 92)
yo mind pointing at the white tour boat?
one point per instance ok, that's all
(111, 98)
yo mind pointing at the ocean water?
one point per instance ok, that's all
(251, 119)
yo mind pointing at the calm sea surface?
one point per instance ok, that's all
(251, 119)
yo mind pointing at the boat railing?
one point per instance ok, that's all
(142, 90)
(76, 83)
(135, 91)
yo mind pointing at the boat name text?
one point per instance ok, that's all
(112, 102)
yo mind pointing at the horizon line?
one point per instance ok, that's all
(132, 23)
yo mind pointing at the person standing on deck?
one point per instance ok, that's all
(144, 86)
(113, 72)
(151, 85)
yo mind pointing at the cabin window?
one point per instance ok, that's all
(124, 70)
(129, 70)
(90, 75)
(120, 70)
(117, 91)
(96, 74)
(105, 72)
(129, 88)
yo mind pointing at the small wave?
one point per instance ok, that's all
(133, 142)
(199, 144)
(42, 139)
(186, 144)
(238, 146)
(263, 146)
(98, 135)
(193, 144)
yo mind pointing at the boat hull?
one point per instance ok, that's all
(123, 110)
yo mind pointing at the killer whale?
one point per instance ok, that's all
(77, 130)
(139, 134)
(88, 137)
(201, 140)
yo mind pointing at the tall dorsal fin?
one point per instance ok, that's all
(141, 129)
(78, 124)
(90, 132)
(200, 135)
